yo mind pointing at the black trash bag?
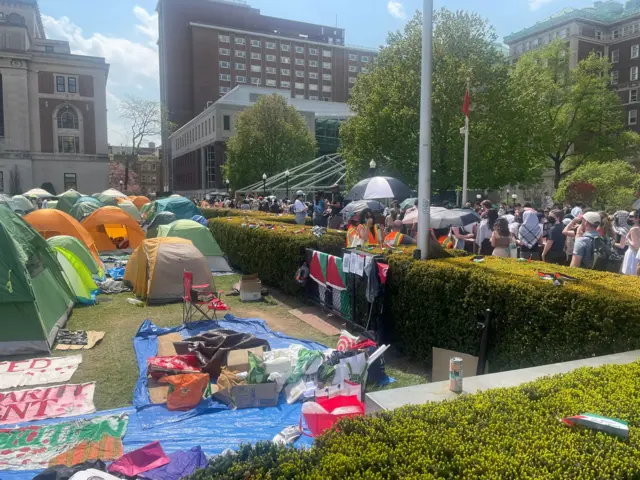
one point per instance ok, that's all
(62, 472)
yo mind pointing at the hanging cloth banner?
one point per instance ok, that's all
(46, 402)
(318, 267)
(38, 371)
(335, 276)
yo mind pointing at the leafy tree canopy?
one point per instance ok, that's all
(270, 137)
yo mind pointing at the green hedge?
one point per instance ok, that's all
(209, 213)
(434, 303)
(502, 434)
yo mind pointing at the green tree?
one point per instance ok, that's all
(572, 114)
(609, 186)
(387, 106)
(270, 137)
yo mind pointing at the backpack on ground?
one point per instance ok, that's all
(604, 255)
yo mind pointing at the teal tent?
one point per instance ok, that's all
(84, 207)
(181, 207)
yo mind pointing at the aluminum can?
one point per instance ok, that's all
(455, 374)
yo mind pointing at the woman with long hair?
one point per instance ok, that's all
(367, 229)
(485, 231)
(501, 238)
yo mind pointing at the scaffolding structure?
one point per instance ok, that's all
(322, 174)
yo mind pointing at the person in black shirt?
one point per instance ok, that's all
(554, 240)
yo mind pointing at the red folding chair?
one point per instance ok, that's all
(192, 306)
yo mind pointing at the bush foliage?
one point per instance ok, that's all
(255, 215)
(501, 433)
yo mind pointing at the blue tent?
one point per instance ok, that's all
(182, 207)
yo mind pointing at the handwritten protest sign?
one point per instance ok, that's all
(38, 371)
(46, 402)
(40, 446)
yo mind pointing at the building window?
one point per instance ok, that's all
(255, 81)
(67, 118)
(256, 43)
(614, 77)
(70, 181)
(224, 51)
(299, 49)
(313, 75)
(598, 35)
(224, 90)
(313, 63)
(271, 82)
(256, 68)
(271, 58)
(285, 72)
(633, 74)
(364, 59)
(615, 33)
(326, 76)
(615, 56)
(300, 61)
(285, 48)
(635, 51)
(326, 88)
(271, 70)
(225, 77)
(364, 69)
(633, 96)
(60, 84)
(211, 167)
(352, 79)
(285, 59)
(313, 86)
(326, 53)
(241, 53)
(284, 84)
(353, 57)
(240, 41)
(326, 65)
(240, 66)
(313, 51)
(299, 74)
(353, 68)
(72, 85)
(241, 79)
(633, 117)
(300, 85)
(271, 45)
(256, 56)
(68, 144)
(225, 64)
(224, 38)
(226, 123)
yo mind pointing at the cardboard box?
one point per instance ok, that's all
(250, 288)
(238, 360)
(248, 396)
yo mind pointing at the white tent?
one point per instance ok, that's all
(112, 192)
(38, 193)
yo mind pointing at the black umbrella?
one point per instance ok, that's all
(379, 187)
(359, 205)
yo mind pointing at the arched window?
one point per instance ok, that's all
(67, 118)
(15, 19)
(68, 129)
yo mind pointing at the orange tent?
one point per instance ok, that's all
(109, 223)
(50, 222)
(139, 201)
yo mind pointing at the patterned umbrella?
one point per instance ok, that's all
(379, 187)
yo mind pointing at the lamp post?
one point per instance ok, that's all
(264, 184)
(514, 196)
(372, 168)
(121, 183)
(286, 176)
(227, 182)
(507, 202)
(479, 197)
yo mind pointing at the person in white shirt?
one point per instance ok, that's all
(45, 203)
(299, 208)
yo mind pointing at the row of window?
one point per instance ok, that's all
(66, 84)
(625, 31)
(285, 72)
(543, 40)
(195, 133)
(633, 75)
(635, 52)
(258, 68)
(287, 60)
(273, 83)
(148, 178)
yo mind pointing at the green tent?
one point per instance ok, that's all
(68, 200)
(78, 248)
(201, 238)
(78, 276)
(163, 218)
(147, 210)
(131, 209)
(23, 203)
(106, 199)
(52, 204)
(35, 300)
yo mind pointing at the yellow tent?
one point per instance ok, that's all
(112, 226)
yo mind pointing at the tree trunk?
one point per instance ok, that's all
(557, 173)
(126, 172)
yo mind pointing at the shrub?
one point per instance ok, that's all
(501, 433)
(435, 303)
(255, 215)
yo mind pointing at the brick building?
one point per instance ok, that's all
(208, 47)
(147, 165)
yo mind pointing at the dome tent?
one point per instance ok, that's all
(84, 207)
(23, 203)
(108, 223)
(181, 207)
(163, 218)
(68, 200)
(105, 199)
(131, 209)
(78, 276)
(139, 201)
(35, 300)
(76, 247)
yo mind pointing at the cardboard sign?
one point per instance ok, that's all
(238, 360)
(46, 402)
(440, 368)
(38, 371)
(40, 446)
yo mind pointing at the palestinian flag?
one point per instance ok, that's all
(318, 267)
(335, 276)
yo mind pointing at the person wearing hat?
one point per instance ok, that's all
(396, 238)
(299, 208)
(583, 247)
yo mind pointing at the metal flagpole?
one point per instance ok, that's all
(424, 171)
(465, 173)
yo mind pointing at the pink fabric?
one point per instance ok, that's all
(146, 458)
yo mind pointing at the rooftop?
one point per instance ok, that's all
(606, 13)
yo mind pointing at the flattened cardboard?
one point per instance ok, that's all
(248, 396)
(440, 369)
(238, 360)
(250, 288)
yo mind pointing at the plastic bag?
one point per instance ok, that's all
(228, 379)
(158, 367)
(257, 370)
(308, 363)
(185, 391)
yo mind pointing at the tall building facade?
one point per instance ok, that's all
(208, 47)
(53, 108)
(608, 28)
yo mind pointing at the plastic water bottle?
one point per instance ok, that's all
(136, 302)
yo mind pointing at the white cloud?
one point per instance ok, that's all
(396, 9)
(134, 66)
(536, 4)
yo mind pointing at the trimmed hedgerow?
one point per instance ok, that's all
(501, 433)
(255, 215)
(435, 303)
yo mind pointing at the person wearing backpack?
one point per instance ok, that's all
(584, 245)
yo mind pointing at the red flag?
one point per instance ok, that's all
(467, 103)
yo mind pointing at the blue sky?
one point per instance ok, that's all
(125, 31)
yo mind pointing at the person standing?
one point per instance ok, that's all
(299, 208)
(501, 238)
(583, 248)
(630, 261)
(529, 235)
(553, 251)
(45, 203)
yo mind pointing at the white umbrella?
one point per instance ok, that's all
(377, 188)
(38, 193)
(113, 193)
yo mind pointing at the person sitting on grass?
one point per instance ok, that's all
(396, 237)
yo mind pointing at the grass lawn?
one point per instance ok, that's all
(112, 363)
